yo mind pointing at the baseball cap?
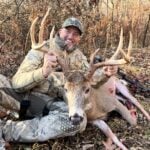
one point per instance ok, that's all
(72, 21)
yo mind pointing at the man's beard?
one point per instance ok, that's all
(61, 43)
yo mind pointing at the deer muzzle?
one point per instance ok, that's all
(76, 119)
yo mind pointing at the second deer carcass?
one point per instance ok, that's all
(84, 99)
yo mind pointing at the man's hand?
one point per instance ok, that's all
(110, 70)
(50, 62)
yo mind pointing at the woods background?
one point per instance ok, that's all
(102, 20)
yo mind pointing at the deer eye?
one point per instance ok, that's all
(87, 90)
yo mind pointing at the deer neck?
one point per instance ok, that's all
(90, 103)
(96, 106)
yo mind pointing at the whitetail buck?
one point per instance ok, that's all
(95, 102)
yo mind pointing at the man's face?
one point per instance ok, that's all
(71, 36)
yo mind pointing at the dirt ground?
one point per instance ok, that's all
(135, 138)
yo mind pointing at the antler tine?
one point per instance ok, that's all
(93, 56)
(119, 46)
(52, 32)
(92, 67)
(41, 38)
(130, 45)
(41, 42)
(32, 31)
(127, 56)
(51, 36)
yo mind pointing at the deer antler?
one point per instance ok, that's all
(64, 63)
(120, 45)
(129, 47)
(112, 60)
(41, 43)
(127, 56)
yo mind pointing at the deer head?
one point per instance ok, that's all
(78, 89)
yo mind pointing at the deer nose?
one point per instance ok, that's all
(76, 119)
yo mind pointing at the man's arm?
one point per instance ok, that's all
(29, 73)
(33, 71)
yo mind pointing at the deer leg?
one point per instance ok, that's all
(110, 135)
(125, 113)
(125, 92)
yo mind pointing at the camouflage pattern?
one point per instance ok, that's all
(7, 102)
(2, 142)
(73, 22)
(56, 124)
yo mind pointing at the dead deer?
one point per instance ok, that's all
(96, 102)
(83, 97)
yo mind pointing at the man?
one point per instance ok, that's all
(39, 89)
